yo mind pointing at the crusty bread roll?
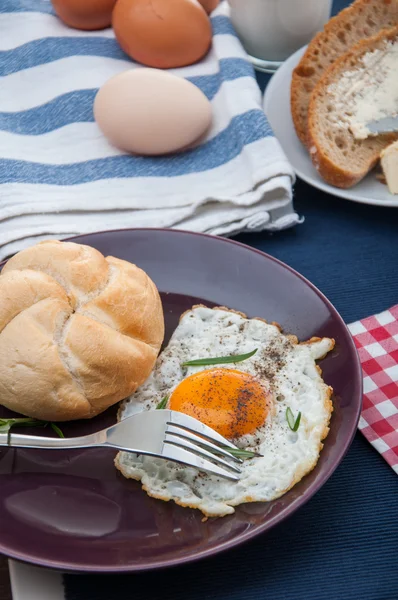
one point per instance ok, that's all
(78, 332)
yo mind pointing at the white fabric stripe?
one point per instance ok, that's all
(32, 87)
(79, 142)
(356, 328)
(250, 222)
(380, 445)
(224, 183)
(26, 242)
(14, 227)
(11, 227)
(387, 409)
(368, 385)
(385, 318)
(17, 29)
(392, 372)
(21, 28)
(362, 423)
(73, 143)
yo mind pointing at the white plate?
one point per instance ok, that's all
(277, 109)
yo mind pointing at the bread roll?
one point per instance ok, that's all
(78, 331)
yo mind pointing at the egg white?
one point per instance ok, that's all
(295, 382)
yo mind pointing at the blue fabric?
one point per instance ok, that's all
(343, 544)
(77, 106)
(217, 151)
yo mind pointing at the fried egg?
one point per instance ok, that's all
(255, 403)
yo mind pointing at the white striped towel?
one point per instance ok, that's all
(60, 177)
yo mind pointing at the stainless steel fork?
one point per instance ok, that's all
(163, 433)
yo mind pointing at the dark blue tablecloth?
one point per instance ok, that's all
(344, 543)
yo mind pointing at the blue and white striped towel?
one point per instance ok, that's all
(60, 177)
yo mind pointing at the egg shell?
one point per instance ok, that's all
(162, 33)
(85, 14)
(150, 112)
(209, 5)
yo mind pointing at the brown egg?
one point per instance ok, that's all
(85, 14)
(209, 5)
(162, 33)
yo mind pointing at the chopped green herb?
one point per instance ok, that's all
(57, 430)
(219, 360)
(163, 403)
(7, 424)
(243, 454)
(293, 424)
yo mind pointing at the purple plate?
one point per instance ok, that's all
(74, 511)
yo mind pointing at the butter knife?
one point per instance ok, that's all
(386, 125)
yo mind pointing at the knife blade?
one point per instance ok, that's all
(386, 125)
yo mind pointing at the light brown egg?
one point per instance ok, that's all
(209, 5)
(85, 14)
(151, 112)
(162, 33)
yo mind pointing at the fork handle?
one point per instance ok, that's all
(18, 440)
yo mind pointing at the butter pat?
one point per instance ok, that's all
(389, 164)
(370, 92)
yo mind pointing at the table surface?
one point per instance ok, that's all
(343, 543)
(5, 592)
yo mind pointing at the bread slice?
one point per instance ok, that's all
(342, 159)
(363, 19)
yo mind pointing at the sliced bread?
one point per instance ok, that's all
(358, 83)
(363, 19)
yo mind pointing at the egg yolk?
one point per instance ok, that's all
(231, 402)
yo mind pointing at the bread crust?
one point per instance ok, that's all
(78, 331)
(358, 21)
(332, 172)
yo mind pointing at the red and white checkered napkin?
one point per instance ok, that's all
(376, 339)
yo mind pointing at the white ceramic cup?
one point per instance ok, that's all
(271, 30)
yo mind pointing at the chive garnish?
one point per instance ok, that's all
(7, 424)
(200, 362)
(243, 454)
(57, 430)
(163, 403)
(293, 424)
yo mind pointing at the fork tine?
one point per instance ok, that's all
(195, 426)
(187, 435)
(187, 445)
(186, 457)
